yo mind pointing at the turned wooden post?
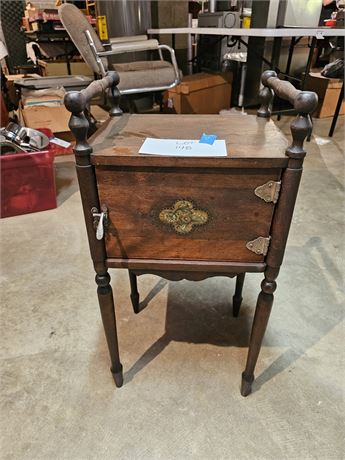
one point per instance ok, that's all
(76, 102)
(304, 103)
(266, 95)
(113, 96)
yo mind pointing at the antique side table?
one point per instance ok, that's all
(191, 218)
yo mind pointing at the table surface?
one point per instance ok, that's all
(254, 32)
(246, 136)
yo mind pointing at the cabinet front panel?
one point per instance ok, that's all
(169, 213)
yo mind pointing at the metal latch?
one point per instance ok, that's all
(259, 245)
(269, 192)
(100, 220)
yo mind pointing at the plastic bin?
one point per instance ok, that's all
(27, 183)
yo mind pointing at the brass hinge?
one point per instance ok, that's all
(269, 192)
(259, 245)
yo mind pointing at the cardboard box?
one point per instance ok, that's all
(45, 109)
(54, 118)
(328, 90)
(58, 68)
(47, 97)
(13, 94)
(201, 93)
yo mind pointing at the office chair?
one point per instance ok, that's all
(135, 77)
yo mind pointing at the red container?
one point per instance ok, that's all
(27, 183)
(56, 149)
(330, 22)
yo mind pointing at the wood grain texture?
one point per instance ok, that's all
(254, 139)
(135, 197)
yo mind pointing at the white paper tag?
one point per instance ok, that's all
(183, 148)
(60, 142)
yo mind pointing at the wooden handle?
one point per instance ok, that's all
(79, 123)
(283, 89)
(77, 101)
(303, 101)
(97, 87)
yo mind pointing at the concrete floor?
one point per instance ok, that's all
(184, 354)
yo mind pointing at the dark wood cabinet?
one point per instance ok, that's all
(192, 218)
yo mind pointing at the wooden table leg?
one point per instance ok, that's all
(262, 314)
(237, 298)
(106, 303)
(76, 102)
(134, 291)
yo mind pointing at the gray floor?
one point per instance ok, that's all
(183, 355)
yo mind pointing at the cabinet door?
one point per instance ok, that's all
(184, 213)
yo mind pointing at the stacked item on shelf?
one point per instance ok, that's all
(45, 20)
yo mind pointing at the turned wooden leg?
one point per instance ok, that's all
(262, 313)
(134, 291)
(106, 303)
(114, 99)
(237, 298)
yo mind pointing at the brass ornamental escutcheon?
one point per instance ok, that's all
(182, 216)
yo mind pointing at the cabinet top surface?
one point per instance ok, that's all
(249, 140)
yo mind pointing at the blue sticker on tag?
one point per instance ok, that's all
(208, 139)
